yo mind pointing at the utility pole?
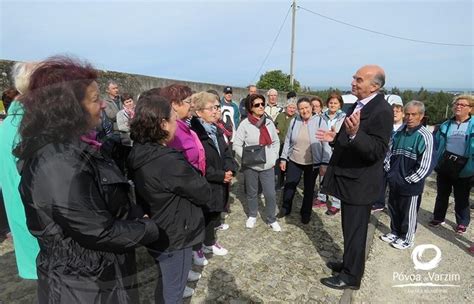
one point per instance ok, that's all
(292, 77)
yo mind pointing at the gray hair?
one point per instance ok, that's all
(416, 103)
(379, 79)
(110, 81)
(21, 72)
(272, 91)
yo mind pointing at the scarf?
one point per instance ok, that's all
(264, 138)
(211, 131)
(91, 139)
(130, 112)
(227, 133)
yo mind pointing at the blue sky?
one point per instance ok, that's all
(225, 42)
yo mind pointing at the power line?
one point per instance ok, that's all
(384, 34)
(273, 44)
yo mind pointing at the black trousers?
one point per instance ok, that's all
(355, 221)
(461, 188)
(4, 229)
(212, 220)
(293, 176)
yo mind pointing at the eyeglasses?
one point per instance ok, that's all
(462, 105)
(260, 104)
(213, 108)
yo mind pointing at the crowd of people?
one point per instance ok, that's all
(86, 180)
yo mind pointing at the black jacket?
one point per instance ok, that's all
(355, 170)
(77, 206)
(216, 166)
(172, 192)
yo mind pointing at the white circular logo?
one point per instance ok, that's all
(417, 254)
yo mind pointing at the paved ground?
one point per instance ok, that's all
(268, 267)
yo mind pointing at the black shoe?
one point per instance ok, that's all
(336, 283)
(305, 219)
(283, 212)
(335, 266)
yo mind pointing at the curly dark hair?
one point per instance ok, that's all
(150, 111)
(176, 93)
(250, 99)
(53, 104)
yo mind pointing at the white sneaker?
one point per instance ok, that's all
(216, 249)
(199, 259)
(275, 226)
(401, 244)
(389, 237)
(222, 227)
(188, 291)
(193, 276)
(251, 222)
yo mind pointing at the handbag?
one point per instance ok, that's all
(451, 164)
(253, 155)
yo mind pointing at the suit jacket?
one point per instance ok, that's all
(355, 170)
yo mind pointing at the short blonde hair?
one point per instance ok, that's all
(469, 98)
(201, 99)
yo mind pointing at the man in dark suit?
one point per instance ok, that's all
(355, 172)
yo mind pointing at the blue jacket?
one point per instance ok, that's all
(410, 160)
(441, 137)
(321, 151)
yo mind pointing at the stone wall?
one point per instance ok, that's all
(135, 84)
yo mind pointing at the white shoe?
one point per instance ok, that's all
(389, 237)
(251, 222)
(199, 258)
(222, 227)
(401, 244)
(216, 249)
(188, 291)
(275, 226)
(193, 276)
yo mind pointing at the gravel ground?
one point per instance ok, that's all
(269, 267)
(387, 266)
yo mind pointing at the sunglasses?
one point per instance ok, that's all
(260, 104)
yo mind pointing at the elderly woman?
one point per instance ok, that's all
(317, 105)
(124, 117)
(185, 139)
(303, 153)
(258, 130)
(220, 166)
(170, 190)
(455, 168)
(334, 117)
(76, 200)
(26, 246)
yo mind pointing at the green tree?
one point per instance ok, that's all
(277, 80)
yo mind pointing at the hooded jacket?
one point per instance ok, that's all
(171, 192)
(218, 161)
(77, 206)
